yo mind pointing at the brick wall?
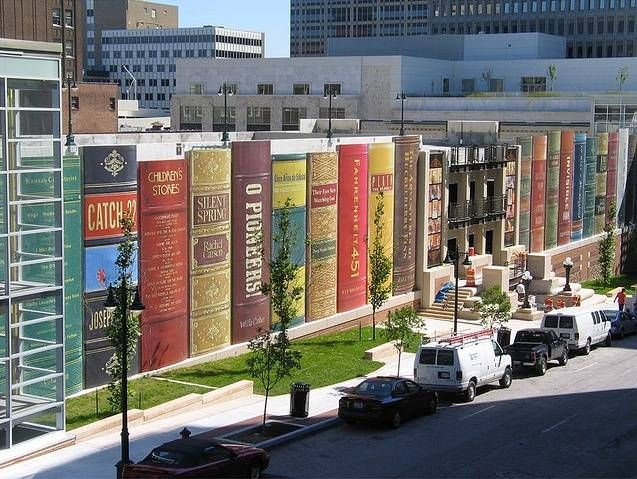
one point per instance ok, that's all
(95, 114)
(585, 261)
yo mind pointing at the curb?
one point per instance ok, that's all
(294, 435)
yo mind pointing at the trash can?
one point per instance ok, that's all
(299, 399)
(504, 336)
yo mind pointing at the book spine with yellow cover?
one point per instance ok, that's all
(600, 188)
(552, 190)
(289, 183)
(210, 249)
(322, 180)
(381, 186)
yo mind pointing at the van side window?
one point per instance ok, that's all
(550, 321)
(427, 356)
(496, 348)
(566, 322)
(595, 317)
(445, 358)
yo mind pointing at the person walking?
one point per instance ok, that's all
(520, 290)
(621, 299)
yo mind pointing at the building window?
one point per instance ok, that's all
(152, 53)
(57, 20)
(128, 54)
(148, 96)
(337, 113)
(196, 89)
(172, 68)
(148, 68)
(141, 54)
(165, 82)
(301, 89)
(68, 17)
(258, 118)
(152, 82)
(165, 53)
(111, 103)
(468, 85)
(75, 102)
(332, 88)
(177, 53)
(153, 13)
(265, 89)
(190, 53)
(161, 96)
(218, 118)
(533, 84)
(291, 117)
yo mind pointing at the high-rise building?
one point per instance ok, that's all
(143, 62)
(123, 15)
(312, 22)
(47, 21)
(593, 28)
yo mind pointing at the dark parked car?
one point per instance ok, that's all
(535, 347)
(621, 323)
(200, 458)
(388, 400)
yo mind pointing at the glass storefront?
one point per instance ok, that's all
(31, 250)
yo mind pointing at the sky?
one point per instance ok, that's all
(269, 16)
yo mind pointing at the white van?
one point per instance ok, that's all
(462, 363)
(581, 328)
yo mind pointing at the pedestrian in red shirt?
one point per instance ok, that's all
(621, 299)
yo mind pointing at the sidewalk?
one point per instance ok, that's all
(96, 458)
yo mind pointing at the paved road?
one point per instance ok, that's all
(577, 421)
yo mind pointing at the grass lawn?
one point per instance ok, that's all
(623, 281)
(326, 360)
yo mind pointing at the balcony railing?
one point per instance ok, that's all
(477, 210)
(480, 156)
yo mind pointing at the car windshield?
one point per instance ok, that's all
(375, 388)
(529, 337)
(611, 315)
(168, 457)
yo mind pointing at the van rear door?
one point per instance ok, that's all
(426, 366)
(446, 367)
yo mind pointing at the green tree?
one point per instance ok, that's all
(607, 246)
(494, 307)
(552, 73)
(400, 329)
(380, 264)
(126, 252)
(271, 359)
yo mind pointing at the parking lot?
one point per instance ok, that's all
(579, 420)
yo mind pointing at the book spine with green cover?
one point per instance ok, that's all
(590, 182)
(526, 144)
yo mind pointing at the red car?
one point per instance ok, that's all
(202, 458)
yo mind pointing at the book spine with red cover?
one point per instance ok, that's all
(163, 264)
(538, 192)
(611, 174)
(251, 237)
(567, 155)
(352, 227)
(405, 202)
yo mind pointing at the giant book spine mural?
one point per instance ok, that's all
(322, 209)
(381, 184)
(163, 262)
(552, 190)
(590, 182)
(600, 187)
(289, 182)
(407, 149)
(567, 154)
(622, 175)
(538, 193)
(352, 227)
(611, 175)
(252, 236)
(110, 184)
(630, 198)
(210, 249)
(579, 163)
(510, 196)
(526, 157)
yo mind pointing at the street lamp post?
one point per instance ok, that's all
(70, 139)
(226, 91)
(135, 310)
(329, 94)
(401, 96)
(568, 264)
(526, 281)
(453, 257)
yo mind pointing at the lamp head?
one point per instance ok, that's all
(110, 304)
(526, 276)
(568, 262)
(137, 307)
(467, 261)
(448, 259)
(220, 92)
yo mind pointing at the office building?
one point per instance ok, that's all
(47, 21)
(312, 22)
(122, 15)
(32, 341)
(143, 62)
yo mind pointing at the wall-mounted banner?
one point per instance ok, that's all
(109, 168)
(100, 269)
(163, 255)
(102, 214)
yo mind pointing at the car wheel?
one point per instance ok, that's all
(432, 405)
(396, 420)
(622, 335)
(609, 340)
(564, 358)
(255, 471)
(541, 366)
(470, 393)
(586, 350)
(506, 379)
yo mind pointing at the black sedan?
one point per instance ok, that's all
(388, 400)
(621, 322)
(201, 458)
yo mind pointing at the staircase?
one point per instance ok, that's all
(445, 309)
